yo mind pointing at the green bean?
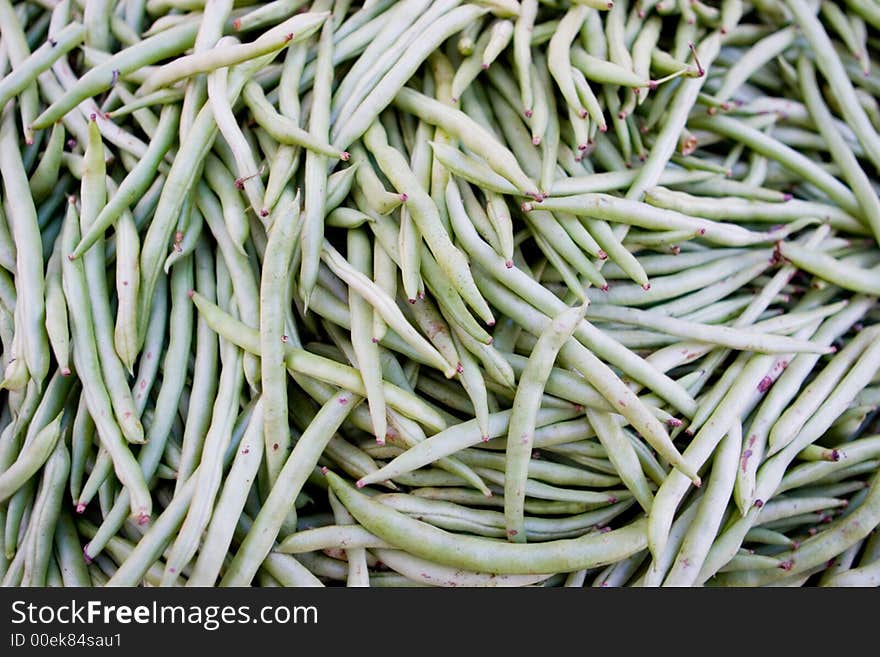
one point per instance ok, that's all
(490, 358)
(385, 51)
(69, 553)
(470, 133)
(127, 281)
(547, 471)
(385, 90)
(25, 72)
(82, 437)
(526, 403)
(30, 280)
(788, 157)
(558, 56)
(611, 208)
(31, 459)
(366, 289)
(281, 128)
(45, 176)
(472, 169)
(425, 214)
(218, 537)
(661, 564)
(477, 554)
(210, 467)
(738, 209)
(273, 287)
(290, 31)
(85, 357)
(56, 312)
(365, 347)
(136, 183)
(471, 66)
(249, 177)
(591, 337)
(818, 549)
(156, 539)
(166, 402)
(290, 480)
(833, 71)
(851, 453)
(433, 574)
(710, 512)
(47, 507)
(704, 442)
(789, 424)
(94, 194)
(757, 56)
(299, 360)
(180, 181)
(522, 52)
(623, 456)
(850, 277)
(372, 191)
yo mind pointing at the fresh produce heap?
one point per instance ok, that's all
(430, 292)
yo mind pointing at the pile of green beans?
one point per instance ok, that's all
(439, 293)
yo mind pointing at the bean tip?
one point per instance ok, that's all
(344, 156)
(508, 264)
(191, 293)
(65, 371)
(80, 508)
(325, 470)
